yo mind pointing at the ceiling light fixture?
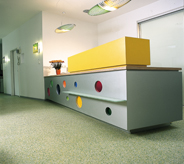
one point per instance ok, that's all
(106, 6)
(65, 28)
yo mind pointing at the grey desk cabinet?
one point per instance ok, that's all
(126, 98)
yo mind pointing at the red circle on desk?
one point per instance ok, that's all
(48, 91)
(98, 86)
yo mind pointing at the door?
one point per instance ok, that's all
(14, 73)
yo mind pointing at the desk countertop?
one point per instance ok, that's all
(144, 68)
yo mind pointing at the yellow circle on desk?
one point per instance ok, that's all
(79, 101)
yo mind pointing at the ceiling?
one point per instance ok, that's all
(14, 13)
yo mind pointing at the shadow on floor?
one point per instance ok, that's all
(5, 158)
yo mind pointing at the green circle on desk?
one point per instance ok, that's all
(108, 111)
(51, 83)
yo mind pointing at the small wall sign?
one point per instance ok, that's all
(35, 48)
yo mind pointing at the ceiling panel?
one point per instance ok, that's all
(14, 13)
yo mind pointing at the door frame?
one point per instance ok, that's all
(12, 69)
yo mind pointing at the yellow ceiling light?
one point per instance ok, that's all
(106, 6)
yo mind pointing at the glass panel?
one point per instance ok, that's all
(166, 36)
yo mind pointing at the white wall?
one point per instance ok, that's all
(61, 46)
(31, 81)
(126, 24)
(55, 46)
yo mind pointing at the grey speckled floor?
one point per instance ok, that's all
(42, 132)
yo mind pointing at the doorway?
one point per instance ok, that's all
(1, 70)
(15, 82)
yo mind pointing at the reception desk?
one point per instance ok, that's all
(131, 98)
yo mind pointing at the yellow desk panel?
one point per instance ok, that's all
(120, 52)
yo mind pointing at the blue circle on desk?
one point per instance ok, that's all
(58, 89)
(75, 84)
